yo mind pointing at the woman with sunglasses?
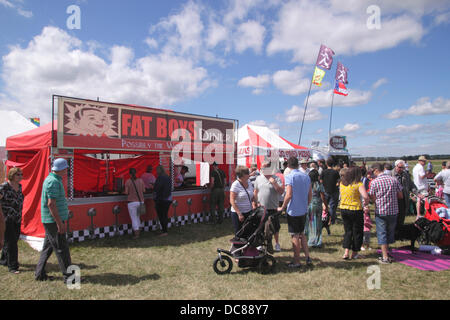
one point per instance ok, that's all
(241, 197)
(11, 203)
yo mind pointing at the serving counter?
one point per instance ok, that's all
(99, 217)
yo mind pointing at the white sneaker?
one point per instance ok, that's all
(277, 247)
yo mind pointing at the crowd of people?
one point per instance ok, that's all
(309, 193)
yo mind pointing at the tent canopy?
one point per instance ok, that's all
(257, 140)
(11, 123)
(34, 139)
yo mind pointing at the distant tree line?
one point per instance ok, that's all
(408, 158)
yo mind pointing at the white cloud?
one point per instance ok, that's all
(25, 13)
(6, 3)
(404, 129)
(347, 129)
(249, 35)
(423, 106)
(292, 82)
(263, 123)
(442, 18)
(379, 83)
(295, 114)
(258, 83)
(303, 25)
(239, 10)
(183, 31)
(216, 34)
(17, 4)
(152, 43)
(56, 63)
(322, 99)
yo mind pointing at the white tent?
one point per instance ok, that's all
(256, 142)
(12, 123)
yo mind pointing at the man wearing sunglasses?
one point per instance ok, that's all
(408, 185)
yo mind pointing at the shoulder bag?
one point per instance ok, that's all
(141, 210)
(247, 194)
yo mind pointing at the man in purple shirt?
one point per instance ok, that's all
(385, 190)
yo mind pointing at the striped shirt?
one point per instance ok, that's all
(385, 189)
(53, 188)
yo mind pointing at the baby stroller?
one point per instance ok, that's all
(249, 245)
(437, 229)
(431, 205)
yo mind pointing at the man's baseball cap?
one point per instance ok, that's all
(422, 158)
(59, 164)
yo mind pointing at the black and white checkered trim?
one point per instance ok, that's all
(151, 225)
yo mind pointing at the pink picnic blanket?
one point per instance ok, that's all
(421, 260)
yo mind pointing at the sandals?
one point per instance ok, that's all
(384, 261)
(14, 271)
(357, 256)
(346, 257)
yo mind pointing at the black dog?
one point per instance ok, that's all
(326, 222)
(411, 232)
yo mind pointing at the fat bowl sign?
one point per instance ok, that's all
(338, 142)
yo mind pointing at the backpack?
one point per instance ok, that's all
(436, 231)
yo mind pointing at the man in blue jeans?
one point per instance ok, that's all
(385, 190)
(330, 180)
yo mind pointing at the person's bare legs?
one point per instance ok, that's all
(384, 251)
(305, 248)
(296, 248)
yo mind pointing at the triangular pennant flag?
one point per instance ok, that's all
(340, 89)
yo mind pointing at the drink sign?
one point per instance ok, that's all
(338, 142)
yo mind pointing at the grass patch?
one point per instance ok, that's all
(180, 267)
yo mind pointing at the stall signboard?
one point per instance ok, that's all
(338, 142)
(246, 151)
(87, 124)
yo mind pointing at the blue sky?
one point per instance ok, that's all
(250, 60)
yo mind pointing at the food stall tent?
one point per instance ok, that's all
(255, 143)
(94, 183)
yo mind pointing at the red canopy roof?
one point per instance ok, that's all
(34, 139)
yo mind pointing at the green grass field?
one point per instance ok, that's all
(180, 267)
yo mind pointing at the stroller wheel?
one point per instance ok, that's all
(267, 265)
(224, 266)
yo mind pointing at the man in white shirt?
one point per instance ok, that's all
(419, 176)
(420, 180)
(304, 166)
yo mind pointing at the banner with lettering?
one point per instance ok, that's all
(86, 124)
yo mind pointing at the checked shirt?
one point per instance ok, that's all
(385, 189)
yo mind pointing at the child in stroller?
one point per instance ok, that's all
(249, 245)
(437, 229)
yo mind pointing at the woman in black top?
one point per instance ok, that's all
(11, 200)
(163, 197)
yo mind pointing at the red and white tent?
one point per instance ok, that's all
(256, 142)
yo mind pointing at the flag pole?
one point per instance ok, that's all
(304, 112)
(331, 115)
